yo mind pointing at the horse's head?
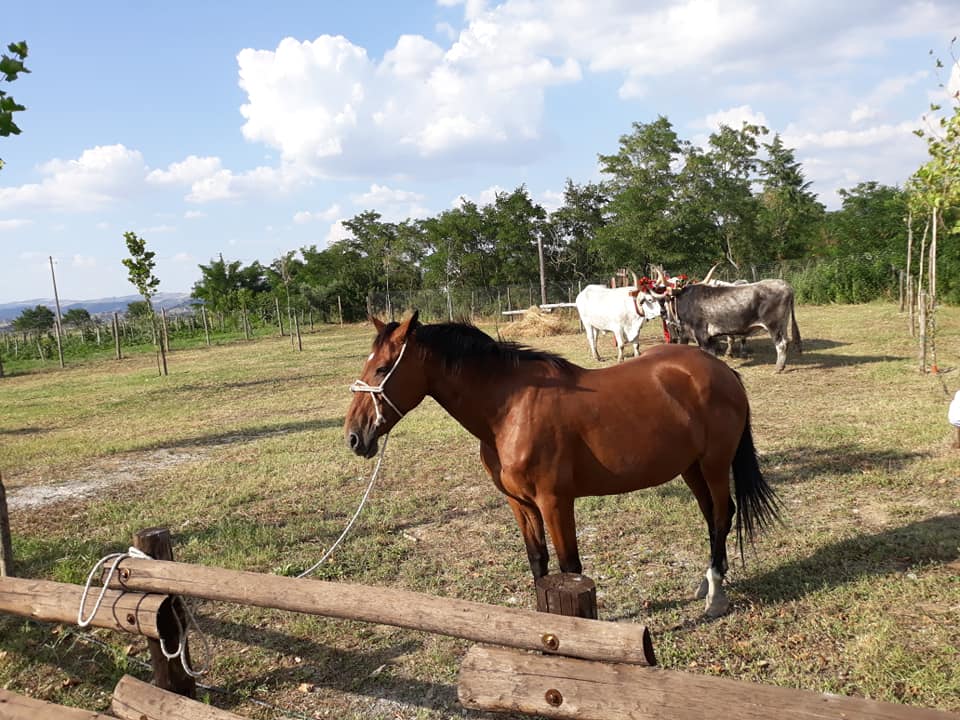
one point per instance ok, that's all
(392, 382)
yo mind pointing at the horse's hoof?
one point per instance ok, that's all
(701, 592)
(719, 606)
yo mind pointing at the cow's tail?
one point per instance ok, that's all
(757, 503)
(794, 330)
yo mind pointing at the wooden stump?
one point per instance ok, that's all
(567, 594)
(167, 674)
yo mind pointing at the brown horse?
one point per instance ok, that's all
(551, 431)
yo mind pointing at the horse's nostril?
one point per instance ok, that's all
(353, 440)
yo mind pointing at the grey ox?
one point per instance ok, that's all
(621, 311)
(705, 312)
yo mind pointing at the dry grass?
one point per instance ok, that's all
(537, 323)
(858, 593)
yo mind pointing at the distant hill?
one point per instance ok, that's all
(169, 301)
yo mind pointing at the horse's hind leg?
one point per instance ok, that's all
(531, 528)
(718, 483)
(698, 486)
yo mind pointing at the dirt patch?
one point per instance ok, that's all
(88, 480)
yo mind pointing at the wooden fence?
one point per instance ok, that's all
(583, 668)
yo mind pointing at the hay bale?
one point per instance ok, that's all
(537, 323)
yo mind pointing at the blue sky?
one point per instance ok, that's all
(250, 129)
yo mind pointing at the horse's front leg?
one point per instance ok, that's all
(531, 528)
(558, 515)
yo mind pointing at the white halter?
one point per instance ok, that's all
(374, 390)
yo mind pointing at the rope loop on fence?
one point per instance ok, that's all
(363, 500)
(182, 629)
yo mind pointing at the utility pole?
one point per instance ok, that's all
(56, 297)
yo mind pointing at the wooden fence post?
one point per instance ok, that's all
(116, 336)
(6, 547)
(567, 594)
(167, 674)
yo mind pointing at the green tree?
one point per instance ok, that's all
(789, 213)
(718, 200)
(642, 185)
(140, 267)
(572, 232)
(516, 224)
(36, 320)
(10, 67)
(138, 309)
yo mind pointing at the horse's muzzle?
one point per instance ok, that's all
(365, 447)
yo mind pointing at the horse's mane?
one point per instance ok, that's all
(459, 342)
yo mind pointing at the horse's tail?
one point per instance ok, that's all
(757, 503)
(794, 330)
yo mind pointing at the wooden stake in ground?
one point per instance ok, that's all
(167, 674)
(6, 547)
(116, 336)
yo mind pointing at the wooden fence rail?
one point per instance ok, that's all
(132, 612)
(511, 627)
(557, 687)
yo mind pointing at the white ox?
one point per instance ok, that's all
(621, 311)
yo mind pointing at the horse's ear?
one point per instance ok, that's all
(408, 325)
(377, 323)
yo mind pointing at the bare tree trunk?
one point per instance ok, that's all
(206, 326)
(932, 278)
(909, 255)
(922, 354)
(164, 337)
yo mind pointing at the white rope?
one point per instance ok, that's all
(182, 629)
(328, 553)
(374, 390)
(116, 557)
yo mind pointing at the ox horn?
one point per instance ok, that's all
(709, 274)
(661, 278)
(636, 280)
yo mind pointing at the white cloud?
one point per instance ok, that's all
(336, 232)
(305, 216)
(876, 136)
(863, 112)
(83, 261)
(379, 195)
(331, 109)
(100, 176)
(193, 214)
(14, 224)
(485, 197)
(186, 172)
(551, 200)
(158, 229)
(225, 184)
(734, 118)
(183, 257)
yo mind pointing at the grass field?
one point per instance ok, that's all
(240, 452)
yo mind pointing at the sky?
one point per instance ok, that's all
(251, 129)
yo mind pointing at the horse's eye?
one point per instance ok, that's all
(382, 370)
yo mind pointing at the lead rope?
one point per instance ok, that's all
(182, 629)
(376, 471)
